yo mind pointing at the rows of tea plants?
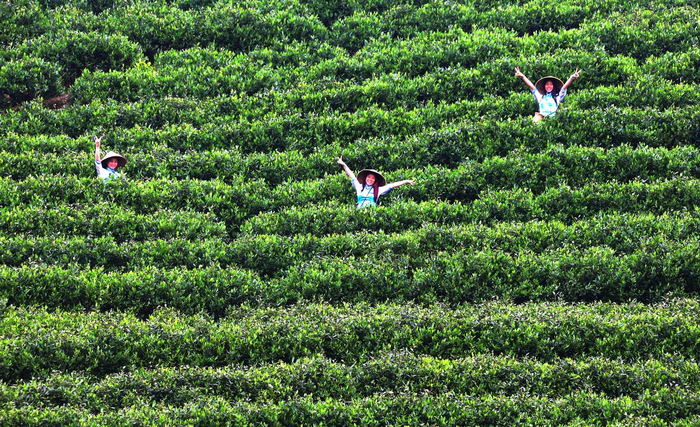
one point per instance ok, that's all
(534, 274)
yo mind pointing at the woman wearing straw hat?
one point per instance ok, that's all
(370, 184)
(107, 166)
(548, 91)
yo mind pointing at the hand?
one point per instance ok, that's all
(340, 161)
(518, 73)
(576, 73)
(98, 141)
(410, 181)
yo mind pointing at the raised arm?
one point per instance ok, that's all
(400, 183)
(346, 169)
(524, 78)
(98, 143)
(571, 79)
(386, 188)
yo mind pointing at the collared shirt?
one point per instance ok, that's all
(365, 193)
(106, 174)
(548, 104)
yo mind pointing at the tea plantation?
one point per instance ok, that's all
(535, 274)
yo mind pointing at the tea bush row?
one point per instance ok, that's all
(110, 220)
(656, 408)
(157, 26)
(658, 269)
(244, 204)
(563, 203)
(322, 379)
(38, 342)
(388, 90)
(573, 166)
(179, 119)
(442, 139)
(272, 255)
(230, 202)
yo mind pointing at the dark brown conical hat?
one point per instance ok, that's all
(379, 178)
(112, 155)
(539, 85)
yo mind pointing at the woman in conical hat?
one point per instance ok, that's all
(370, 184)
(107, 166)
(548, 91)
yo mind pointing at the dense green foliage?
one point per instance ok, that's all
(535, 274)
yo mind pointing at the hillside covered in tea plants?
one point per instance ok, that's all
(535, 274)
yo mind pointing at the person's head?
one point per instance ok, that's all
(112, 163)
(548, 86)
(370, 179)
(113, 160)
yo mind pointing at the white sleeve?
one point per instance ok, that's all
(385, 189)
(561, 96)
(101, 172)
(356, 185)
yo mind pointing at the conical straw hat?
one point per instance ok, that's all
(110, 155)
(557, 84)
(379, 178)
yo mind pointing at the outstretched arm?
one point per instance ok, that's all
(400, 183)
(346, 168)
(524, 78)
(386, 188)
(571, 79)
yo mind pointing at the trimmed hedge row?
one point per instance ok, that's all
(271, 255)
(655, 271)
(409, 20)
(656, 408)
(37, 342)
(320, 379)
(76, 51)
(244, 202)
(658, 269)
(109, 220)
(209, 290)
(563, 203)
(326, 86)
(322, 128)
(443, 141)
(230, 202)
(573, 166)
(26, 78)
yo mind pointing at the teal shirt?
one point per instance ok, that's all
(548, 104)
(365, 194)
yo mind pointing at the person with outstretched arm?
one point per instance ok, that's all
(370, 184)
(107, 166)
(548, 91)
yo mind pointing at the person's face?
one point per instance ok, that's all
(369, 179)
(548, 86)
(112, 163)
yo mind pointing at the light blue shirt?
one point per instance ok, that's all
(365, 193)
(548, 104)
(106, 174)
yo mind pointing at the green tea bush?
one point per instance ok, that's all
(37, 342)
(108, 219)
(27, 77)
(564, 203)
(210, 290)
(323, 379)
(20, 19)
(77, 51)
(644, 33)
